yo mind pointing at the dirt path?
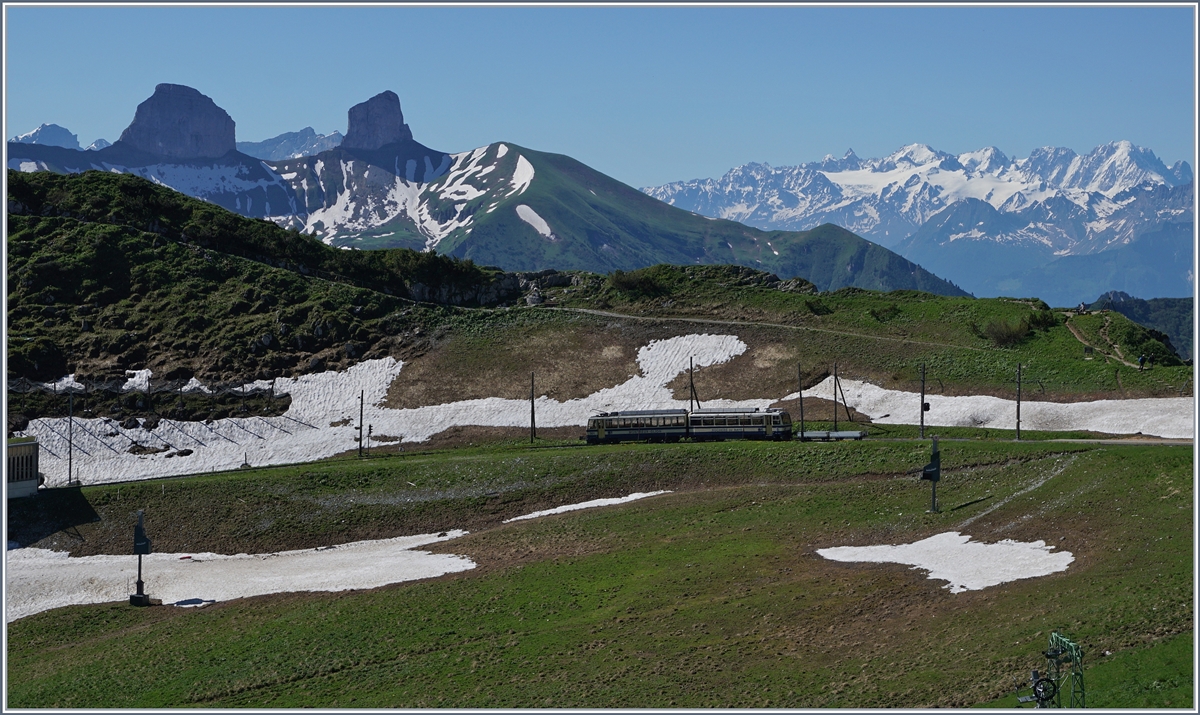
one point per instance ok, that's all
(713, 321)
(1104, 332)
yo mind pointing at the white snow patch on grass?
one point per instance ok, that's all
(501, 150)
(967, 566)
(306, 431)
(64, 383)
(1166, 417)
(532, 218)
(139, 381)
(522, 176)
(589, 505)
(39, 579)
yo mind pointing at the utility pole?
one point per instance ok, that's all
(922, 400)
(800, 385)
(532, 415)
(692, 388)
(361, 398)
(369, 428)
(1018, 402)
(835, 404)
(70, 433)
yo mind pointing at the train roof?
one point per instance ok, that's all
(641, 413)
(735, 410)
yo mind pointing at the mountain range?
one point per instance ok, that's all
(994, 224)
(501, 204)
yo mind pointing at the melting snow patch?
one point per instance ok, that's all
(139, 381)
(588, 505)
(522, 176)
(39, 579)
(1166, 417)
(532, 218)
(967, 566)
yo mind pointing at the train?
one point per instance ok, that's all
(701, 425)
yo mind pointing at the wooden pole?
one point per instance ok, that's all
(691, 385)
(1018, 402)
(835, 401)
(361, 399)
(800, 384)
(532, 414)
(70, 434)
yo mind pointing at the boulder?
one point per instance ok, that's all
(177, 122)
(376, 122)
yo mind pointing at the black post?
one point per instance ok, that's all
(532, 414)
(70, 434)
(800, 384)
(835, 404)
(845, 403)
(691, 384)
(361, 398)
(922, 400)
(1018, 402)
(369, 428)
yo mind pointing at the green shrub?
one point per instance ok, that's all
(1005, 334)
(1042, 319)
(640, 282)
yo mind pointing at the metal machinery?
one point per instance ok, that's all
(1064, 672)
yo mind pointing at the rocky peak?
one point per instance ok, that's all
(180, 123)
(376, 122)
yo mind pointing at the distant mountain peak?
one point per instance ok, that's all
(179, 122)
(50, 135)
(376, 122)
(291, 145)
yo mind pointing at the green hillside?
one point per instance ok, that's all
(109, 273)
(710, 596)
(600, 225)
(1172, 316)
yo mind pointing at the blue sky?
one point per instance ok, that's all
(647, 95)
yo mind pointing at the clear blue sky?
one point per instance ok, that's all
(646, 95)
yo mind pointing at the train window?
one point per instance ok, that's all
(746, 422)
(708, 421)
(758, 421)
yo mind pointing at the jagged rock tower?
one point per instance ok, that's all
(178, 122)
(376, 122)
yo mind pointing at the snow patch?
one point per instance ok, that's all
(589, 505)
(532, 218)
(522, 176)
(967, 566)
(1166, 417)
(37, 580)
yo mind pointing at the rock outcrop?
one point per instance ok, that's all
(376, 122)
(177, 122)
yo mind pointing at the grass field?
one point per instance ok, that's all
(712, 595)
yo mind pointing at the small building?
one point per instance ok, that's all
(23, 478)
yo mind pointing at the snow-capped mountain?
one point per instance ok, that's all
(98, 145)
(48, 135)
(498, 205)
(887, 199)
(291, 145)
(993, 224)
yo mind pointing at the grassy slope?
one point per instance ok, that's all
(710, 596)
(602, 225)
(1172, 316)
